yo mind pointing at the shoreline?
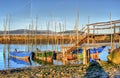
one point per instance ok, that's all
(102, 69)
(45, 39)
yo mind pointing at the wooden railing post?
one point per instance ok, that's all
(84, 56)
(88, 39)
(114, 34)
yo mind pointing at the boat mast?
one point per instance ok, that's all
(64, 29)
(32, 35)
(76, 27)
(60, 34)
(48, 35)
(51, 23)
(40, 37)
(9, 32)
(5, 39)
(119, 36)
(36, 32)
(9, 37)
(31, 25)
(112, 45)
(4, 50)
(55, 36)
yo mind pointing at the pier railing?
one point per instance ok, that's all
(79, 42)
(88, 33)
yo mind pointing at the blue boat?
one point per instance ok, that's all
(99, 50)
(19, 61)
(77, 51)
(21, 55)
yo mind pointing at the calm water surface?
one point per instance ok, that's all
(10, 64)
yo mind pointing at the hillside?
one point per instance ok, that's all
(24, 31)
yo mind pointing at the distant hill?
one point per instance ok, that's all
(69, 32)
(24, 31)
(1, 32)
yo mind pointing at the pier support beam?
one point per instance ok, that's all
(84, 56)
(65, 60)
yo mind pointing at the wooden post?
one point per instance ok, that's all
(55, 37)
(84, 56)
(9, 27)
(36, 32)
(32, 36)
(28, 38)
(25, 32)
(119, 37)
(88, 31)
(112, 45)
(64, 56)
(41, 39)
(114, 30)
(52, 37)
(48, 35)
(114, 34)
(60, 41)
(63, 35)
(4, 37)
(9, 39)
(93, 35)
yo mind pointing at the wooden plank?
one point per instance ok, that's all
(79, 43)
(104, 23)
(96, 45)
(104, 28)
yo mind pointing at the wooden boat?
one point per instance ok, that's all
(45, 56)
(21, 55)
(46, 59)
(19, 61)
(70, 57)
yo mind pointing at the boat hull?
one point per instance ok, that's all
(46, 59)
(45, 56)
(25, 56)
(18, 61)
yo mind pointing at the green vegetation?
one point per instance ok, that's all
(45, 54)
(80, 56)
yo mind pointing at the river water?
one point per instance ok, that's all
(6, 63)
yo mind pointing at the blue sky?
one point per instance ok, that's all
(58, 11)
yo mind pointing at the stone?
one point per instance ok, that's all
(114, 57)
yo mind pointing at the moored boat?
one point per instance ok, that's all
(45, 56)
(21, 55)
(19, 61)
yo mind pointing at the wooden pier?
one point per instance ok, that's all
(89, 35)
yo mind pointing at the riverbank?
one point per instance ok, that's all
(95, 69)
(51, 39)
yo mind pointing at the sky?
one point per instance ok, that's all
(21, 12)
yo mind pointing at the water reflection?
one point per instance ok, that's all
(6, 63)
(9, 63)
